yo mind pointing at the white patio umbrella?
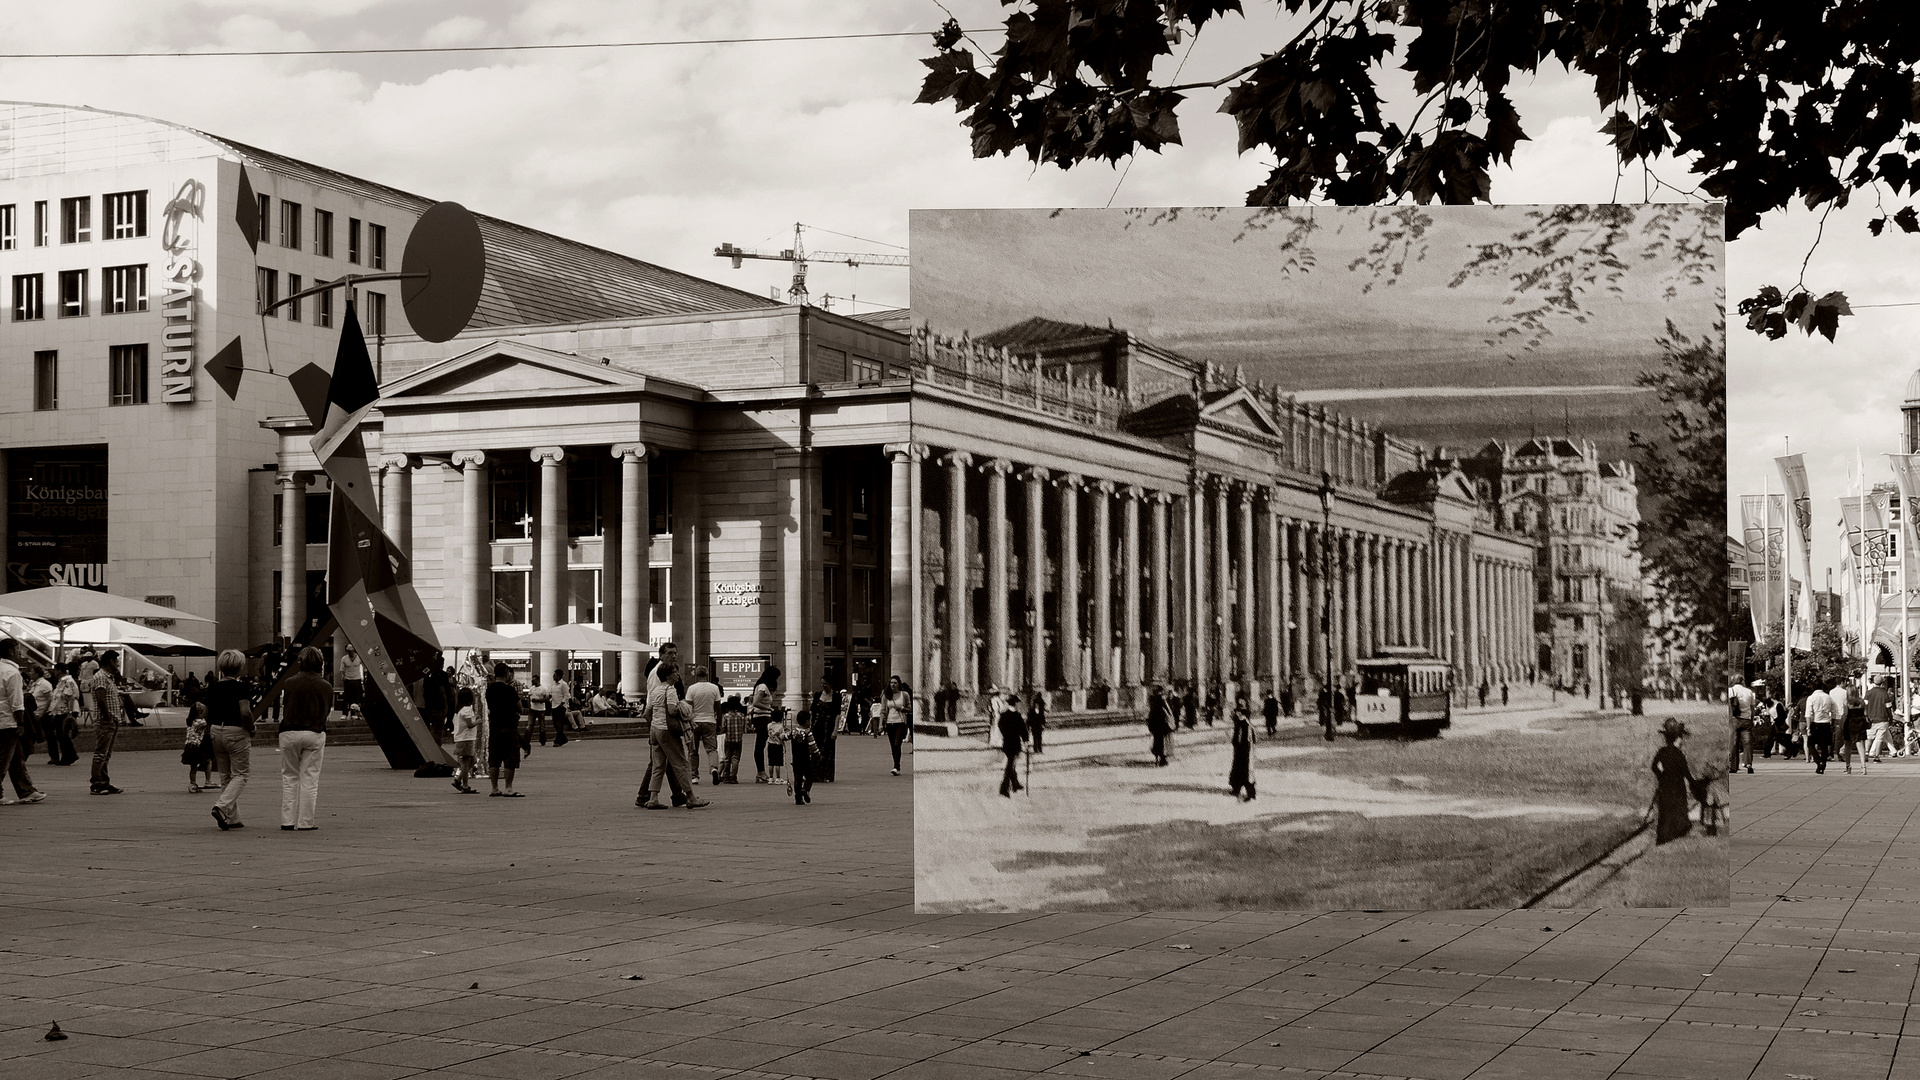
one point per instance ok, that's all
(144, 638)
(458, 635)
(65, 605)
(574, 638)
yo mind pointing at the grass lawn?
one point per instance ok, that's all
(1588, 759)
(1341, 861)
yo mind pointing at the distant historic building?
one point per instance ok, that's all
(1584, 515)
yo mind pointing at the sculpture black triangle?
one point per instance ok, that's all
(225, 368)
(246, 213)
(354, 386)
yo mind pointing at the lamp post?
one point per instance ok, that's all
(1326, 604)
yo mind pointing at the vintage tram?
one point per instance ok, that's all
(1403, 694)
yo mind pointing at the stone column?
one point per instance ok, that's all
(293, 551)
(1036, 585)
(917, 517)
(1248, 653)
(636, 543)
(1200, 555)
(1300, 606)
(1159, 653)
(1072, 671)
(1349, 602)
(396, 501)
(553, 548)
(1363, 596)
(1223, 620)
(997, 568)
(1272, 612)
(1101, 632)
(901, 612)
(1180, 594)
(959, 574)
(476, 592)
(1403, 574)
(1130, 652)
(1315, 578)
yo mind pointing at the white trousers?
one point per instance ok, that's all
(300, 753)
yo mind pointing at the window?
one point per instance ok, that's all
(323, 233)
(323, 307)
(377, 240)
(319, 509)
(353, 239)
(865, 370)
(266, 289)
(376, 313)
(1579, 624)
(46, 381)
(29, 297)
(125, 289)
(289, 225)
(127, 375)
(659, 496)
(293, 289)
(836, 602)
(40, 223)
(265, 221)
(76, 220)
(866, 598)
(584, 509)
(8, 241)
(659, 586)
(510, 605)
(126, 215)
(512, 514)
(860, 510)
(583, 596)
(73, 293)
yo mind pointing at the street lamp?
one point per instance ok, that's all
(1326, 603)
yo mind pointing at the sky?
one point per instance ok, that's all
(664, 153)
(1407, 351)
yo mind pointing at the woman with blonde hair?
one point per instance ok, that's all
(229, 702)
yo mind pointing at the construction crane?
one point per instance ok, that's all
(799, 256)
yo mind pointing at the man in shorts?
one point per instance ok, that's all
(503, 730)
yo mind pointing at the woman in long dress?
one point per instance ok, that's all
(1670, 794)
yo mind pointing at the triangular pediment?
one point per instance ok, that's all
(510, 369)
(1455, 485)
(1239, 408)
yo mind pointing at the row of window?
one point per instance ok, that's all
(267, 294)
(126, 377)
(123, 289)
(125, 214)
(364, 239)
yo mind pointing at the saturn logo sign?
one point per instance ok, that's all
(84, 575)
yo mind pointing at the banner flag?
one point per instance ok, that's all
(1793, 473)
(1762, 578)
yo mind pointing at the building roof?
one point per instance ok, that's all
(899, 320)
(1040, 333)
(532, 276)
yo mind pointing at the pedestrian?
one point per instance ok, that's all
(1765, 732)
(63, 711)
(13, 716)
(1821, 713)
(306, 699)
(899, 716)
(229, 701)
(1484, 688)
(1013, 736)
(352, 689)
(734, 727)
(1286, 700)
(502, 702)
(560, 706)
(1879, 719)
(703, 703)
(760, 715)
(1190, 703)
(1852, 730)
(1240, 776)
(1503, 696)
(667, 716)
(39, 694)
(196, 751)
(1159, 722)
(466, 730)
(803, 757)
(1270, 710)
(539, 696)
(1741, 703)
(1037, 718)
(1325, 705)
(1670, 793)
(108, 699)
(823, 716)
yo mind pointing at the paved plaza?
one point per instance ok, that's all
(569, 934)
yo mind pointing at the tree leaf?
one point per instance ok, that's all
(1907, 220)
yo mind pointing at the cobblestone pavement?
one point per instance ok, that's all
(422, 931)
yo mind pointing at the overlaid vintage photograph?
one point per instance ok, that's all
(1319, 558)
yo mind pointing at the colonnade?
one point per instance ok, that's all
(1214, 579)
(626, 541)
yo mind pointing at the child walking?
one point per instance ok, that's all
(776, 748)
(466, 729)
(197, 754)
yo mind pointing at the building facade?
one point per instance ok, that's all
(1059, 508)
(1584, 515)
